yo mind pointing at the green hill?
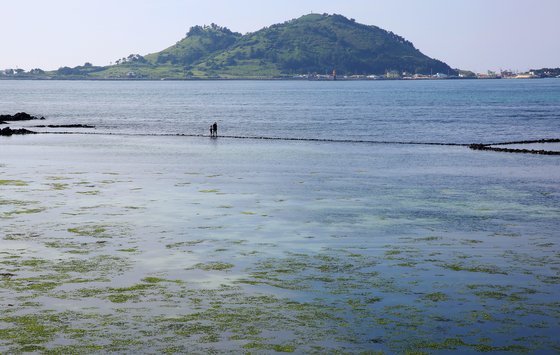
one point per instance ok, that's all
(320, 43)
(310, 44)
(201, 43)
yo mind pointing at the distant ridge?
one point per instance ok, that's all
(311, 44)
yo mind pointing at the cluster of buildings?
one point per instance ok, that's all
(390, 75)
(396, 75)
(507, 74)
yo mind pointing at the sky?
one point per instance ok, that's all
(475, 35)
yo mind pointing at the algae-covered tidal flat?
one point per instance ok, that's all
(183, 245)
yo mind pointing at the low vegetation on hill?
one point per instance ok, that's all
(311, 44)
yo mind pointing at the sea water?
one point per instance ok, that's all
(135, 239)
(448, 111)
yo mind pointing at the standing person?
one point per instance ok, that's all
(211, 131)
(215, 128)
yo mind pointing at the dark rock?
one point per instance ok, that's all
(64, 126)
(20, 116)
(489, 147)
(8, 131)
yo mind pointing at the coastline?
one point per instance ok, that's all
(254, 79)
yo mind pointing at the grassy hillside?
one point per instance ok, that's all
(310, 44)
(320, 43)
(201, 43)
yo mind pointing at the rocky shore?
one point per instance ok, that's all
(64, 126)
(24, 116)
(7, 131)
(20, 116)
(493, 148)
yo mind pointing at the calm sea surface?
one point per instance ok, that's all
(448, 111)
(135, 240)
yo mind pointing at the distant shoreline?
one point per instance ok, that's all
(259, 79)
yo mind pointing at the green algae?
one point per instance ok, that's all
(341, 291)
(373, 300)
(23, 211)
(408, 264)
(82, 333)
(58, 186)
(128, 250)
(55, 274)
(213, 266)
(18, 203)
(40, 286)
(30, 332)
(96, 231)
(489, 269)
(59, 244)
(89, 192)
(181, 184)
(101, 264)
(22, 236)
(13, 183)
(122, 298)
(33, 263)
(271, 347)
(75, 349)
(481, 315)
(393, 252)
(471, 241)
(436, 297)
(188, 243)
(132, 293)
(56, 178)
(485, 348)
(155, 280)
(497, 295)
(244, 318)
(208, 191)
(447, 344)
(458, 343)
(427, 239)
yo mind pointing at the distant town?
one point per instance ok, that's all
(60, 74)
(462, 74)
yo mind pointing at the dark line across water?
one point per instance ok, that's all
(473, 146)
(262, 138)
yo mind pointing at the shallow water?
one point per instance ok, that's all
(185, 244)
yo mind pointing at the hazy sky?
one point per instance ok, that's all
(467, 34)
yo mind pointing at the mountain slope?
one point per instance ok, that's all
(309, 44)
(200, 43)
(321, 43)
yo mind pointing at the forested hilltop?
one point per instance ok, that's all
(311, 44)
